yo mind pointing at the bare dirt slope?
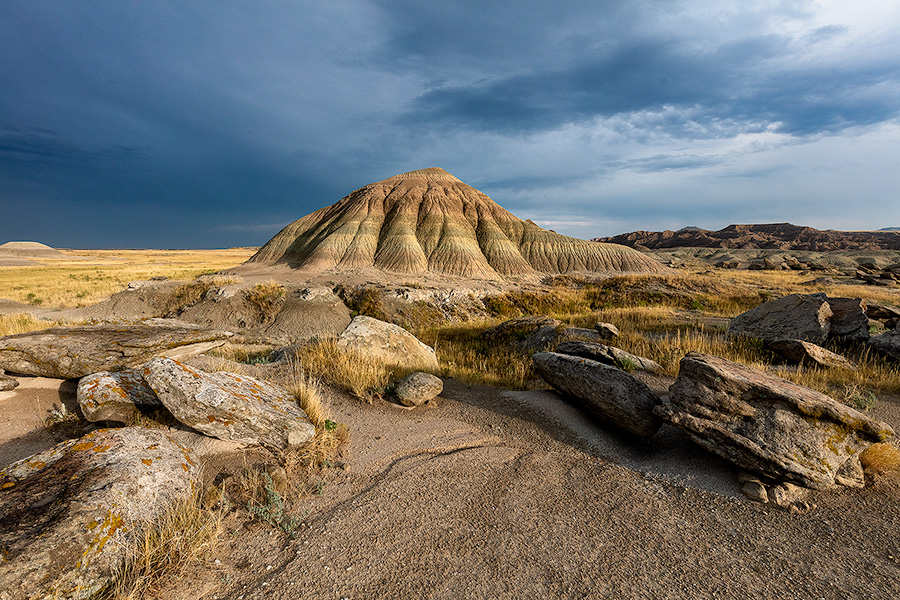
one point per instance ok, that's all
(428, 220)
(484, 496)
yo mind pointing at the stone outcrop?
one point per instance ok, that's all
(609, 355)
(428, 220)
(117, 396)
(887, 344)
(73, 352)
(849, 322)
(605, 392)
(66, 514)
(797, 316)
(800, 352)
(768, 425)
(388, 342)
(228, 406)
(417, 388)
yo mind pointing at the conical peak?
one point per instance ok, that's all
(429, 174)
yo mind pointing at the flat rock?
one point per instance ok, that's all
(794, 317)
(881, 311)
(766, 424)
(388, 342)
(887, 343)
(66, 514)
(606, 392)
(609, 355)
(800, 352)
(73, 352)
(229, 406)
(417, 388)
(115, 396)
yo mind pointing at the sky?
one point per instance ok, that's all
(207, 124)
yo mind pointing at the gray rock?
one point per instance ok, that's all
(607, 331)
(229, 406)
(766, 424)
(417, 388)
(606, 392)
(849, 322)
(66, 514)
(755, 491)
(118, 396)
(6, 382)
(881, 312)
(887, 344)
(528, 334)
(388, 342)
(73, 352)
(800, 352)
(797, 316)
(609, 355)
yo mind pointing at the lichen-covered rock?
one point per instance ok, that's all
(67, 514)
(388, 342)
(229, 406)
(73, 352)
(606, 392)
(418, 388)
(766, 424)
(609, 355)
(888, 344)
(118, 396)
(797, 317)
(6, 382)
(800, 352)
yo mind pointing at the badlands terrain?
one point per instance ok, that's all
(500, 486)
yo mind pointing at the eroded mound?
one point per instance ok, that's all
(30, 250)
(428, 220)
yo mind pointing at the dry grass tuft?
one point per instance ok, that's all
(183, 535)
(880, 458)
(363, 376)
(23, 323)
(265, 299)
(330, 437)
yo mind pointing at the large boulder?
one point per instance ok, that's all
(536, 333)
(73, 352)
(800, 352)
(849, 322)
(606, 392)
(68, 514)
(388, 342)
(797, 317)
(768, 425)
(609, 355)
(887, 344)
(118, 396)
(881, 312)
(228, 406)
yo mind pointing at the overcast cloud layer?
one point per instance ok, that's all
(214, 124)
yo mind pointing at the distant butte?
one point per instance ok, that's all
(773, 236)
(430, 221)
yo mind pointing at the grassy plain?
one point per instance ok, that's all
(86, 277)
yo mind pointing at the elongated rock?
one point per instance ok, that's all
(388, 342)
(606, 392)
(797, 316)
(609, 355)
(888, 344)
(228, 406)
(118, 396)
(73, 352)
(67, 514)
(800, 352)
(768, 425)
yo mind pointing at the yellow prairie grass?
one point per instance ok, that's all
(23, 323)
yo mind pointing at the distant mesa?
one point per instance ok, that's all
(430, 221)
(772, 236)
(20, 254)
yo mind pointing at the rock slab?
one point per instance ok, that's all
(800, 352)
(803, 317)
(67, 513)
(73, 352)
(766, 424)
(6, 382)
(228, 406)
(115, 396)
(887, 344)
(606, 392)
(388, 342)
(609, 355)
(417, 388)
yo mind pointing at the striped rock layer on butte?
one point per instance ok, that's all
(430, 221)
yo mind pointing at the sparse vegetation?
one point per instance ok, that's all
(23, 323)
(880, 458)
(265, 299)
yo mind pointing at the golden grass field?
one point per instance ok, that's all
(88, 276)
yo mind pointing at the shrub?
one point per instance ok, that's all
(879, 458)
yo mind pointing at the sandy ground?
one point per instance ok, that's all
(487, 493)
